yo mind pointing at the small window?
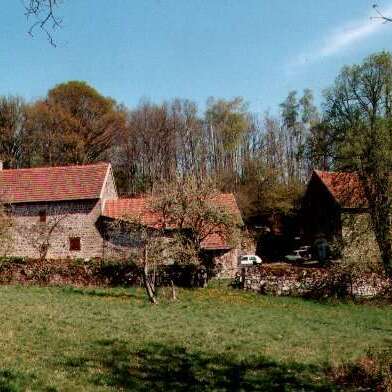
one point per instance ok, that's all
(42, 216)
(74, 243)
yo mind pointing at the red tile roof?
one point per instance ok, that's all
(228, 201)
(215, 241)
(344, 187)
(53, 183)
(139, 208)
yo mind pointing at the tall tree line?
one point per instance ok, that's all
(264, 158)
(257, 156)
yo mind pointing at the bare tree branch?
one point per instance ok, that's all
(44, 12)
(381, 16)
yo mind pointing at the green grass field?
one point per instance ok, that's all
(65, 339)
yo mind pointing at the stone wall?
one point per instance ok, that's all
(77, 272)
(311, 282)
(63, 221)
(109, 190)
(358, 241)
(119, 243)
(226, 263)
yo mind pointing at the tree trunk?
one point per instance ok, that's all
(154, 279)
(384, 240)
(174, 294)
(377, 194)
(150, 290)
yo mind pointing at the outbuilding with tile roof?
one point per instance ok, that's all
(62, 212)
(335, 208)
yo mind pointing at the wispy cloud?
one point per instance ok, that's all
(343, 38)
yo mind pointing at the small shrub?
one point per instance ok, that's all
(13, 260)
(41, 274)
(337, 284)
(372, 372)
(336, 249)
(79, 261)
(118, 273)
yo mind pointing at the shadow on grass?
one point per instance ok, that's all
(158, 367)
(99, 293)
(13, 381)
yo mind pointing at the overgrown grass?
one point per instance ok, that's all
(67, 339)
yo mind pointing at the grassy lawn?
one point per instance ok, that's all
(65, 339)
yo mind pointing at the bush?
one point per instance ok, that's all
(372, 372)
(13, 260)
(95, 272)
(118, 273)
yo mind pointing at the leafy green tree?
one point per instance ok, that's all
(320, 146)
(227, 123)
(309, 111)
(98, 117)
(358, 109)
(294, 133)
(290, 110)
(311, 135)
(263, 194)
(74, 124)
(50, 136)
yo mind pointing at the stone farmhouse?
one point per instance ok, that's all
(67, 209)
(335, 207)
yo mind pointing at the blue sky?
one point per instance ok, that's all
(161, 49)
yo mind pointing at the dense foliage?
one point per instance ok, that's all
(358, 109)
(264, 158)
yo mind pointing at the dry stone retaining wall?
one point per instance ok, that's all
(313, 282)
(86, 273)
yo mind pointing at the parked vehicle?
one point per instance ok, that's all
(250, 260)
(300, 255)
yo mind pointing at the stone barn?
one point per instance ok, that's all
(335, 208)
(54, 209)
(215, 247)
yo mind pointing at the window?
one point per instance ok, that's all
(42, 216)
(74, 243)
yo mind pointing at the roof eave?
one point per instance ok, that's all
(49, 201)
(333, 196)
(223, 247)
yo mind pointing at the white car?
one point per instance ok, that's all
(250, 260)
